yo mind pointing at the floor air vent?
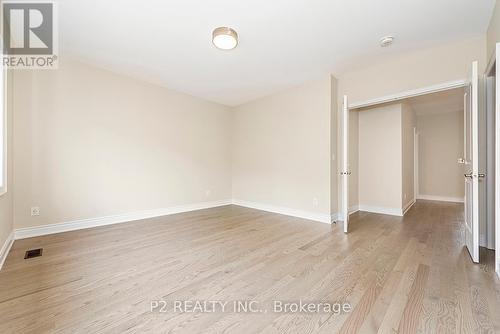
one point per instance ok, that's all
(33, 253)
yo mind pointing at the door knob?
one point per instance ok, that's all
(468, 175)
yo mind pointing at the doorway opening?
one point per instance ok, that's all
(439, 141)
(407, 150)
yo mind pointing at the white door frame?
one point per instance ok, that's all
(489, 242)
(493, 63)
(410, 93)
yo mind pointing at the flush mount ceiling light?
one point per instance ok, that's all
(386, 41)
(225, 38)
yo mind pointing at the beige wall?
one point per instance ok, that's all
(354, 159)
(151, 149)
(90, 143)
(334, 141)
(6, 200)
(380, 157)
(383, 163)
(281, 154)
(411, 70)
(440, 147)
(493, 34)
(408, 123)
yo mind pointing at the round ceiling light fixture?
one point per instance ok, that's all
(225, 38)
(386, 41)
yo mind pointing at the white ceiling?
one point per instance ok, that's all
(442, 102)
(282, 42)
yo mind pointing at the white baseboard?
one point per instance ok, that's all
(408, 206)
(36, 231)
(353, 209)
(338, 216)
(323, 218)
(4, 251)
(441, 198)
(381, 210)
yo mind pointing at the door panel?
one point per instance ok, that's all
(471, 166)
(345, 164)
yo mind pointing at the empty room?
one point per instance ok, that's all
(249, 166)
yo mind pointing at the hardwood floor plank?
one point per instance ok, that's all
(411, 314)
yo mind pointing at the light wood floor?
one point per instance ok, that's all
(406, 275)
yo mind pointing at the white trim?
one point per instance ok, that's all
(441, 198)
(36, 231)
(6, 248)
(353, 209)
(381, 210)
(408, 206)
(3, 132)
(410, 93)
(80, 224)
(319, 217)
(340, 216)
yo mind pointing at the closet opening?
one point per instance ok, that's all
(408, 150)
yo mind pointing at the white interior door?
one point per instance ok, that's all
(497, 162)
(471, 165)
(345, 164)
